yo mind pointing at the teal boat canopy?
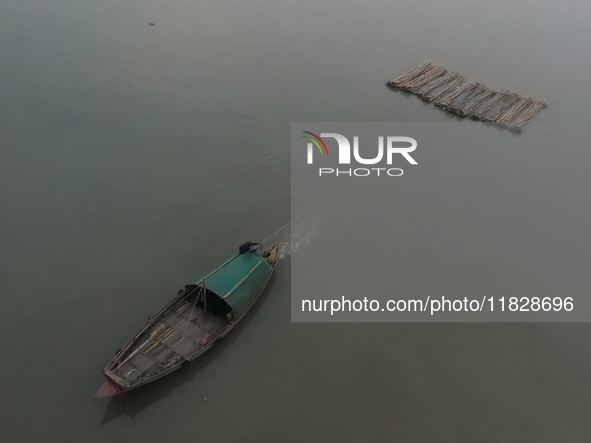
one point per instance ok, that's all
(238, 280)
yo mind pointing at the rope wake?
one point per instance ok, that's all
(308, 210)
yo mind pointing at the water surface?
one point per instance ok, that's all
(136, 158)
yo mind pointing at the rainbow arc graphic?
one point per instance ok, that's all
(315, 142)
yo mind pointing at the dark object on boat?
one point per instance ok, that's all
(192, 322)
(451, 92)
(245, 247)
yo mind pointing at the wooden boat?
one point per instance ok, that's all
(192, 322)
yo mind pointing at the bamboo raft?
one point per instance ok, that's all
(453, 93)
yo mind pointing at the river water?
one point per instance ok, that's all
(136, 158)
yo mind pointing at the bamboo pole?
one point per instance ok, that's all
(466, 98)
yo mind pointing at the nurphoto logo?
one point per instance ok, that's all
(394, 145)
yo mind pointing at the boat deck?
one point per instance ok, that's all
(175, 337)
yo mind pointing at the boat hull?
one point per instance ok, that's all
(114, 385)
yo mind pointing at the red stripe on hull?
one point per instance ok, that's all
(108, 389)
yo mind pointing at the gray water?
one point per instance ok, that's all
(136, 158)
